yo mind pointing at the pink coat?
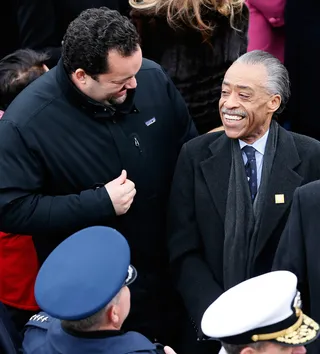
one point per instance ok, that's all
(266, 26)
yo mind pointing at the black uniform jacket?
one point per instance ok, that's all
(299, 250)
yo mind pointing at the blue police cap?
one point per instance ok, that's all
(84, 273)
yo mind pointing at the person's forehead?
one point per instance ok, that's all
(123, 66)
(276, 348)
(246, 75)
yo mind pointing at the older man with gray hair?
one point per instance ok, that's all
(232, 190)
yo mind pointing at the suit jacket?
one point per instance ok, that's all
(198, 207)
(299, 249)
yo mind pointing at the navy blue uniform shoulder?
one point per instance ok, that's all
(41, 320)
(54, 340)
(35, 334)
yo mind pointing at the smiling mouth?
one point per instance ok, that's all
(232, 118)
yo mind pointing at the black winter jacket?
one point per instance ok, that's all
(57, 146)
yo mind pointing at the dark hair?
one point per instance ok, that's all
(91, 36)
(236, 349)
(18, 70)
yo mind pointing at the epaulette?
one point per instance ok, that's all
(41, 320)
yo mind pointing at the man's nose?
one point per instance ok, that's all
(131, 84)
(231, 102)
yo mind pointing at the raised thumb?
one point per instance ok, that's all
(122, 178)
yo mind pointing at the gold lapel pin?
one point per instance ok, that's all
(279, 198)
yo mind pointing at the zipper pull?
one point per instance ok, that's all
(137, 144)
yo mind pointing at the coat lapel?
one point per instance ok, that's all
(216, 171)
(282, 184)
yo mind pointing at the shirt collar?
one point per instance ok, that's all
(259, 145)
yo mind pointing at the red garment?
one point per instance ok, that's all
(19, 267)
(266, 26)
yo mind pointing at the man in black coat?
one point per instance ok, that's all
(94, 142)
(299, 249)
(232, 190)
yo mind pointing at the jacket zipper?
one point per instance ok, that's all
(137, 144)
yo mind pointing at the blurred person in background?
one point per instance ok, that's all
(8, 28)
(266, 26)
(302, 50)
(42, 24)
(18, 258)
(195, 42)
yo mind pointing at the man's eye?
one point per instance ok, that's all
(243, 96)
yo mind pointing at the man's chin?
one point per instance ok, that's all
(118, 100)
(233, 133)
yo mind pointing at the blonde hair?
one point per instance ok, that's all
(190, 12)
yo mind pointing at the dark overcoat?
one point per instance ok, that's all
(198, 208)
(299, 249)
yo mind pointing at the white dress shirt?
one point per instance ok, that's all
(260, 146)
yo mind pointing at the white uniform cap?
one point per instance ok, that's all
(258, 309)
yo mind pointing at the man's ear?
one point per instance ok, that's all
(274, 103)
(80, 76)
(113, 315)
(248, 350)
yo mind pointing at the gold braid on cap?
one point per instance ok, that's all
(285, 332)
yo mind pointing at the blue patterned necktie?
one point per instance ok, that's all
(251, 170)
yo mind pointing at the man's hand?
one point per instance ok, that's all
(169, 350)
(121, 191)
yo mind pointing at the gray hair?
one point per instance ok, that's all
(236, 349)
(90, 323)
(278, 82)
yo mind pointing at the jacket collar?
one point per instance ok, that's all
(93, 334)
(95, 109)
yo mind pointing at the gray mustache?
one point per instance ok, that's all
(235, 113)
